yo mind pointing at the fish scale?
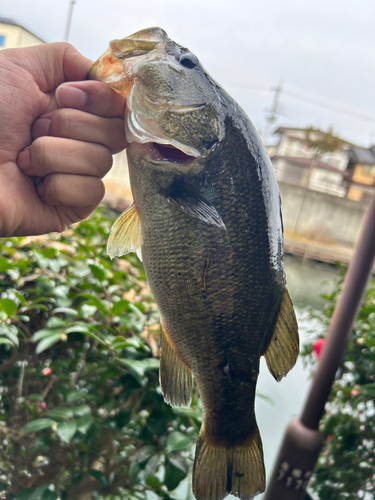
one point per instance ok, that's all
(209, 226)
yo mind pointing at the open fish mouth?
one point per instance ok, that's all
(143, 130)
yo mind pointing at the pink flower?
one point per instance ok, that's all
(40, 406)
(355, 390)
(329, 438)
(318, 346)
(46, 371)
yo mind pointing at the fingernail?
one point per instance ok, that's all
(70, 97)
(40, 189)
(23, 160)
(41, 127)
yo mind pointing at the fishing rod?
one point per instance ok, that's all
(302, 440)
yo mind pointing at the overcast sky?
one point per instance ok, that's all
(322, 50)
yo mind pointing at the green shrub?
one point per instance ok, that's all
(81, 412)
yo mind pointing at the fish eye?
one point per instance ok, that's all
(189, 61)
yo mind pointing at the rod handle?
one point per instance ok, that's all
(295, 463)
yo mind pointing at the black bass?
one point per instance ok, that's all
(206, 218)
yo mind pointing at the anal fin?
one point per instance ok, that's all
(219, 470)
(176, 379)
(282, 351)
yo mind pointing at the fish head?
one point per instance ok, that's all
(172, 103)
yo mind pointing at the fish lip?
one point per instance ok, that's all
(157, 154)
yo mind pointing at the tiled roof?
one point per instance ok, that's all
(363, 155)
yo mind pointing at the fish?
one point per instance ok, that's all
(206, 220)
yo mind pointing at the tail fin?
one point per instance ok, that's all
(219, 471)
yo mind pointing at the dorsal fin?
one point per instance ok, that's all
(282, 351)
(126, 233)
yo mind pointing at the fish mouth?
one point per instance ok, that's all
(169, 154)
(163, 155)
(142, 130)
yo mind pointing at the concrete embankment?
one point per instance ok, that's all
(320, 226)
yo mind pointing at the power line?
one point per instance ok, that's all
(311, 100)
(330, 106)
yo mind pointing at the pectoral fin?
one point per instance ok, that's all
(176, 380)
(193, 203)
(126, 234)
(282, 351)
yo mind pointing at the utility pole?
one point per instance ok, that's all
(69, 20)
(271, 117)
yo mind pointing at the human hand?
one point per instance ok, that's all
(56, 141)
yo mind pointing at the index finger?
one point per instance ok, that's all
(91, 96)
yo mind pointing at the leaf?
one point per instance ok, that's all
(73, 396)
(31, 307)
(56, 322)
(100, 477)
(47, 342)
(50, 495)
(91, 300)
(61, 291)
(177, 441)
(138, 368)
(78, 329)
(144, 454)
(97, 272)
(151, 466)
(4, 264)
(11, 332)
(6, 341)
(65, 310)
(42, 493)
(66, 430)
(84, 423)
(60, 413)
(8, 306)
(36, 397)
(38, 425)
(81, 410)
(24, 494)
(176, 469)
(41, 334)
(120, 306)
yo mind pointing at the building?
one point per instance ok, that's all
(297, 162)
(326, 185)
(361, 167)
(13, 35)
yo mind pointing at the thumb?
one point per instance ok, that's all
(53, 63)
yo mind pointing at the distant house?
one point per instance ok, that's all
(14, 35)
(361, 166)
(296, 163)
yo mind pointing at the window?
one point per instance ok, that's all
(2, 40)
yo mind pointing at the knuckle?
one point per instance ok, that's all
(61, 123)
(39, 154)
(106, 160)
